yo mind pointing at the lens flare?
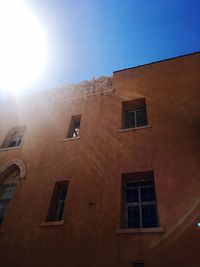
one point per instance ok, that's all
(23, 50)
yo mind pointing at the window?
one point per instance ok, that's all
(134, 113)
(58, 202)
(74, 129)
(139, 200)
(138, 264)
(14, 137)
(7, 189)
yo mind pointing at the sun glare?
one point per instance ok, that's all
(23, 51)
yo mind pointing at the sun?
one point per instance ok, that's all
(23, 50)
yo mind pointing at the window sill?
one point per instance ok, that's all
(134, 129)
(56, 223)
(9, 148)
(140, 230)
(71, 139)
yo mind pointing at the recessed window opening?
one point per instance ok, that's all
(134, 113)
(7, 189)
(56, 208)
(74, 129)
(140, 208)
(14, 137)
(138, 264)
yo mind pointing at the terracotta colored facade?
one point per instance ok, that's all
(92, 233)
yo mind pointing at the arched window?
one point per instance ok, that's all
(10, 175)
(7, 189)
(14, 137)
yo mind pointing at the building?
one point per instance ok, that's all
(105, 173)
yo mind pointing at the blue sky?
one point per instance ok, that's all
(90, 38)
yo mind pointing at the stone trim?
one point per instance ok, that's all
(8, 165)
(134, 129)
(10, 148)
(56, 223)
(71, 139)
(140, 230)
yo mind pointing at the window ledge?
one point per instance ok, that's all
(140, 230)
(9, 148)
(134, 129)
(55, 223)
(70, 139)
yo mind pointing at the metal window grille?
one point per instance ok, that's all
(58, 202)
(140, 204)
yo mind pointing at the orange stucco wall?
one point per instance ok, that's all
(93, 165)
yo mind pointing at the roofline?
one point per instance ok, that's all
(159, 61)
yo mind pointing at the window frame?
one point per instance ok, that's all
(5, 198)
(56, 202)
(16, 132)
(15, 139)
(138, 177)
(72, 129)
(134, 106)
(8, 187)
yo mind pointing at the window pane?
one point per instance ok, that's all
(141, 118)
(132, 195)
(129, 119)
(147, 182)
(60, 209)
(3, 208)
(77, 124)
(74, 129)
(149, 216)
(58, 202)
(133, 217)
(132, 184)
(7, 190)
(14, 142)
(140, 200)
(138, 264)
(63, 194)
(148, 194)
(15, 139)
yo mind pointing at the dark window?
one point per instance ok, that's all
(139, 198)
(14, 137)
(58, 201)
(74, 128)
(6, 193)
(7, 189)
(134, 113)
(138, 264)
